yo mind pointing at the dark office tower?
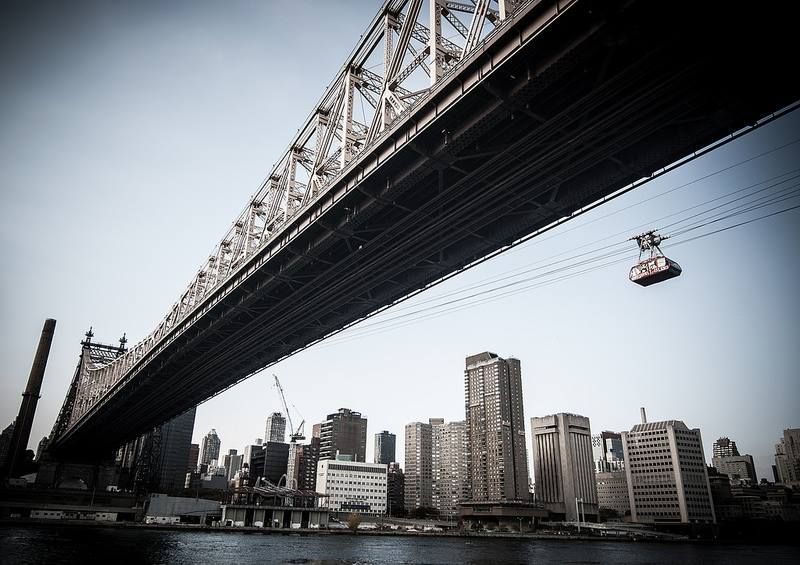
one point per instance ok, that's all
(176, 439)
(194, 456)
(345, 433)
(498, 460)
(395, 490)
(209, 448)
(276, 457)
(276, 428)
(384, 447)
(253, 457)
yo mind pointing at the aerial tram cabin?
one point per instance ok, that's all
(656, 267)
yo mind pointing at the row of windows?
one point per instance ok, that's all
(343, 482)
(356, 469)
(358, 489)
(338, 497)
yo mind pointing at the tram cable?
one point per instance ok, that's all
(559, 273)
(519, 271)
(524, 269)
(581, 211)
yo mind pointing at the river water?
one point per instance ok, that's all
(48, 545)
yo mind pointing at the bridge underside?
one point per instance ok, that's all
(606, 94)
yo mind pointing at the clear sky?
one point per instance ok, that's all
(132, 134)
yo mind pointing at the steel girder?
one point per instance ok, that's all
(517, 134)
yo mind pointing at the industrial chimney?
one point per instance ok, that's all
(644, 415)
(24, 421)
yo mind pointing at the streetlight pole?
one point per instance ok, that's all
(578, 513)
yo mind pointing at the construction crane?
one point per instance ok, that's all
(295, 435)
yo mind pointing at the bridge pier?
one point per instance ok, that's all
(57, 472)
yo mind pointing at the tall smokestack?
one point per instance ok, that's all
(24, 421)
(644, 415)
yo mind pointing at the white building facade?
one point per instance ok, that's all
(667, 476)
(353, 486)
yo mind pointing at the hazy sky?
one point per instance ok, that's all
(132, 134)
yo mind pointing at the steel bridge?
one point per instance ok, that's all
(530, 111)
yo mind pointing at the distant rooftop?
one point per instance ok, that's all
(652, 426)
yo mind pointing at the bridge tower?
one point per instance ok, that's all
(97, 471)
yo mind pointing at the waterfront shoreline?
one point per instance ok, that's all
(313, 531)
(309, 532)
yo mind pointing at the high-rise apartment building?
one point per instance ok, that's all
(419, 465)
(740, 469)
(301, 470)
(667, 476)
(276, 428)
(307, 475)
(436, 474)
(607, 452)
(787, 458)
(563, 467)
(449, 467)
(498, 462)
(343, 433)
(209, 448)
(385, 447)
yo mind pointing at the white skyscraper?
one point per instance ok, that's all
(276, 428)
(667, 476)
(209, 448)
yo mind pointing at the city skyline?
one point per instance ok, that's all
(157, 174)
